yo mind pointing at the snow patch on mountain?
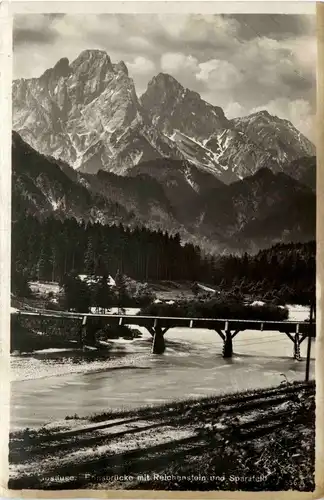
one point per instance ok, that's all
(202, 157)
(87, 114)
(54, 204)
(103, 119)
(189, 179)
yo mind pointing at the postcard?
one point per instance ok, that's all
(161, 249)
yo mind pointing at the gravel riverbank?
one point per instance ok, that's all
(253, 440)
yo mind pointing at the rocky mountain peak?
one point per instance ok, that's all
(276, 135)
(257, 119)
(87, 114)
(165, 81)
(173, 108)
(91, 57)
(92, 65)
(260, 118)
(262, 113)
(121, 67)
(60, 69)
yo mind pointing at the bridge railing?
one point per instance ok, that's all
(184, 322)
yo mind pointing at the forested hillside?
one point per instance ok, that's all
(284, 271)
(64, 246)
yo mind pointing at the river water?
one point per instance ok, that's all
(48, 385)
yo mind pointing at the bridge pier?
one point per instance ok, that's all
(296, 340)
(297, 347)
(227, 329)
(90, 336)
(227, 338)
(158, 344)
(83, 331)
(228, 344)
(88, 331)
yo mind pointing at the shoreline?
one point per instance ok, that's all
(58, 362)
(159, 439)
(295, 312)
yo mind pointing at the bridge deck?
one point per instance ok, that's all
(171, 322)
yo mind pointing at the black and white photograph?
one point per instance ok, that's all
(163, 252)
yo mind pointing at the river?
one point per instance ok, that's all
(48, 385)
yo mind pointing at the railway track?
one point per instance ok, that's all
(91, 453)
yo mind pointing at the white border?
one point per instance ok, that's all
(73, 7)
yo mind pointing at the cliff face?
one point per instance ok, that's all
(87, 113)
(231, 149)
(89, 148)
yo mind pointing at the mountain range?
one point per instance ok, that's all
(86, 146)
(87, 114)
(168, 195)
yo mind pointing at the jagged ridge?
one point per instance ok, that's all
(167, 195)
(87, 113)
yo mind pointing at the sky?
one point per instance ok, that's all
(242, 63)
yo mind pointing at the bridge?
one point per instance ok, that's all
(157, 326)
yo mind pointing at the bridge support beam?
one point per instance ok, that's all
(83, 331)
(297, 347)
(296, 340)
(88, 331)
(158, 345)
(227, 338)
(228, 344)
(90, 336)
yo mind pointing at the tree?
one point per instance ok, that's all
(102, 294)
(121, 292)
(89, 259)
(41, 266)
(84, 297)
(54, 263)
(19, 283)
(142, 254)
(77, 294)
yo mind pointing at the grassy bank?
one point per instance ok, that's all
(255, 440)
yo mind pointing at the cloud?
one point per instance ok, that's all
(234, 110)
(239, 62)
(141, 65)
(177, 63)
(31, 29)
(277, 26)
(140, 69)
(208, 29)
(218, 74)
(273, 68)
